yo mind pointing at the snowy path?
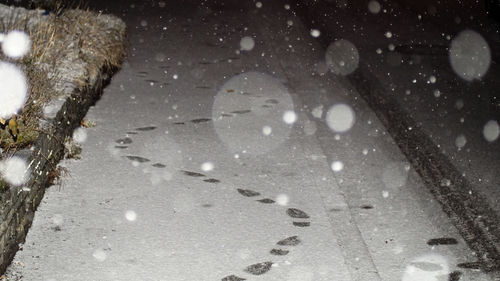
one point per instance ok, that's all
(144, 203)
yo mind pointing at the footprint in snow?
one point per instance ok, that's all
(194, 121)
(279, 252)
(212, 180)
(151, 81)
(442, 241)
(297, 214)
(123, 143)
(126, 140)
(192, 174)
(137, 158)
(200, 175)
(259, 268)
(264, 267)
(266, 201)
(290, 241)
(272, 101)
(144, 129)
(200, 120)
(244, 111)
(232, 278)
(291, 212)
(248, 192)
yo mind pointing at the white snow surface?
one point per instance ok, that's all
(138, 205)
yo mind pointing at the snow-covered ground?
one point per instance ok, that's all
(220, 152)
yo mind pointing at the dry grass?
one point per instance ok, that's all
(67, 33)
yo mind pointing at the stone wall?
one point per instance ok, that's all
(18, 204)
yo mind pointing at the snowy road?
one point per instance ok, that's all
(214, 158)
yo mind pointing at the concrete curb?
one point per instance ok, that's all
(18, 204)
(475, 220)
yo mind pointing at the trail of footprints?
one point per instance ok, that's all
(297, 214)
(263, 267)
(282, 248)
(124, 143)
(299, 217)
(269, 103)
